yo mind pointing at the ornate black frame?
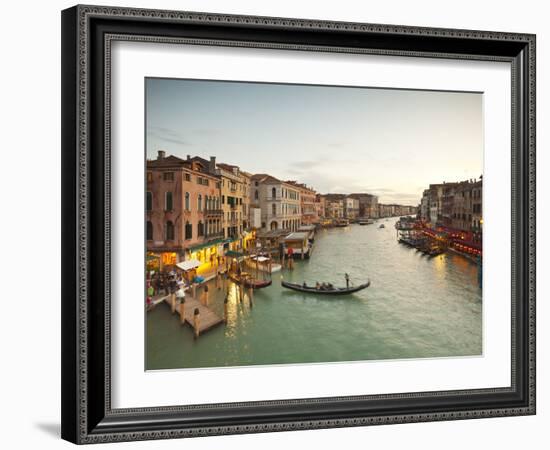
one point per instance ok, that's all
(87, 31)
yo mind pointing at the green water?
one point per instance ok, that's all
(416, 307)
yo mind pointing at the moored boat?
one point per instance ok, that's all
(341, 223)
(366, 221)
(324, 291)
(248, 281)
(262, 263)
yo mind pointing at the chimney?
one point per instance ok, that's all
(212, 165)
(161, 155)
(188, 157)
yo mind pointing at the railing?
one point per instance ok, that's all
(213, 211)
(217, 234)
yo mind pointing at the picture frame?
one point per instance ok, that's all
(87, 412)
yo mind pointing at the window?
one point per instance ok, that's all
(149, 201)
(149, 176)
(188, 231)
(187, 202)
(273, 192)
(223, 199)
(149, 231)
(169, 201)
(274, 209)
(169, 231)
(200, 229)
(187, 177)
(199, 203)
(168, 176)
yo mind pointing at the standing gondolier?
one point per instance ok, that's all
(347, 280)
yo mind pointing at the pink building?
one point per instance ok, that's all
(183, 210)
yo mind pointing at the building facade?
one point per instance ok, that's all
(182, 207)
(307, 203)
(278, 201)
(234, 197)
(368, 204)
(456, 205)
(351, 208)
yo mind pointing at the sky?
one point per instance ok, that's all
(389, 142)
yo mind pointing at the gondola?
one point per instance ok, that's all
(333, 291)
(249, 282)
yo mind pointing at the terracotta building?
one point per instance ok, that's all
(183, 208)
(307, 203)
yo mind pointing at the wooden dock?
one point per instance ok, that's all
(208, 318)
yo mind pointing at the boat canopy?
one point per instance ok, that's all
(189, 264)
(296, 236)
(260, 258)
(234, 254)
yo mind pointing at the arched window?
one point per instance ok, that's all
(200, 229)
(274, 209)
(169, 231)
(149, 200)
(256, 194)
(188, 230)
(199, 202)
(273, 192)
(187, 202)
(149, 231)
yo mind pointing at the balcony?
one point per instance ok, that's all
(213, 212)
(214, 235)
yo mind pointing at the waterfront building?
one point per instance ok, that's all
(247, 179)
(368, 204)
(435, 203)
(307, 203)
(351, 208)
(278, 201)
(449, 191)
(183, 212)
(320, 208)
(477, 210)
(232, 190)
(385, 210)
(334, 205)
(425, 206)
(466, 209)
(456, 209)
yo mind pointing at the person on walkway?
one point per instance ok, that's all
(218, 279)
(205, 295)
(180, 294)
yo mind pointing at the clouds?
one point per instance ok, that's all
(168, 135)
(392, 143)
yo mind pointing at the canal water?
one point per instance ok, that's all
(416, 307)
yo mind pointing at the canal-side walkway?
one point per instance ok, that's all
(199, 316)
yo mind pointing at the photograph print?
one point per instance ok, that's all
(300, 224)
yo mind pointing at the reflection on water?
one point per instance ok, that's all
(415, 307)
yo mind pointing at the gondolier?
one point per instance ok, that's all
(347, 280)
